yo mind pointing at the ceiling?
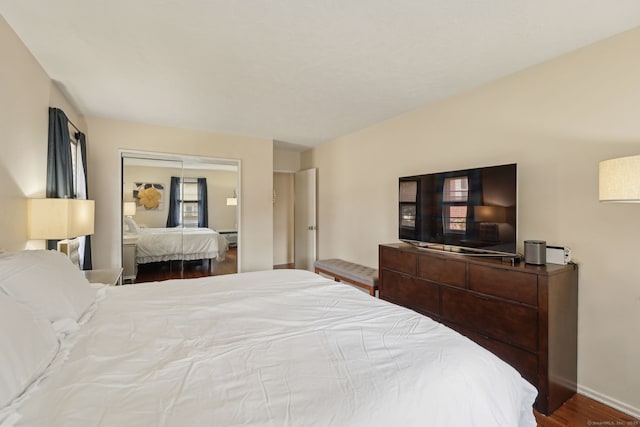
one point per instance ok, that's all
(299, 72)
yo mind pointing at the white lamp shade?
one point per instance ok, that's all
(55, 219)
(620, 180)
(129, 208)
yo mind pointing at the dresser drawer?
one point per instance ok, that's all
(525, 362)
(441, 270)
(397, 260)
(510, 323)
(417, 294)
(504, 283)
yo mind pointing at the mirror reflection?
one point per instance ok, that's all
(180, 217)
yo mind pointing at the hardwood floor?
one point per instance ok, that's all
(159, 271)
(284, 266)
(581, 411)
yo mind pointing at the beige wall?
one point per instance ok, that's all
(220, 185)
(27, 92)
(557, 121)
(286, 160)
(108, 137)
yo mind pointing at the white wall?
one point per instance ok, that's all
(108, 137)
(557, 121)
(26, 95)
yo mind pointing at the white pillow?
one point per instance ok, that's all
(28, 344)
(130, 225)
(47, 282)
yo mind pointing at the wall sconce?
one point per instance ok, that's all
(619, 180)
(60, 219)
(129, 208)
(232, 201)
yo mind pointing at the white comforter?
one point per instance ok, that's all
(167, 244)
(274, 348)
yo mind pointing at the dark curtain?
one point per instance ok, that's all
(87, 263)
(203, 204)
(173, 220)
(59, 163)
(60, 170)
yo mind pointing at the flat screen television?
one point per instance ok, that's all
(471, 211)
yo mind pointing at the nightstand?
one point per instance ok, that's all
(129, 264)
(108, 276)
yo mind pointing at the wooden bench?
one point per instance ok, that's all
(349, 272)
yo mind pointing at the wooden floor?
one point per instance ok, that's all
(159, 271)
(580, 411)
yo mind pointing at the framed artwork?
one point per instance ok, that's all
(148, 195)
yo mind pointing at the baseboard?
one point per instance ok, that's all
(616, 404)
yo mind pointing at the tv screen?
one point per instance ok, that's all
(471, 210)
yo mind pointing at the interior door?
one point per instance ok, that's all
(305, 219)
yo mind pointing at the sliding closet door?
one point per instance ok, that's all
(150, 248)
(168, 201)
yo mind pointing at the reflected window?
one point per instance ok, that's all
(455, 195)
(190, 202)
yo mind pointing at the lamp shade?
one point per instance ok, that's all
(490, 213)
(620, 180)
(129, 208)
(55, 219)
(232, 201)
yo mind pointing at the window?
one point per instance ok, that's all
(455, 195)
(189, 202)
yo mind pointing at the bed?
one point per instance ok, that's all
(175, 244)
(269, 348)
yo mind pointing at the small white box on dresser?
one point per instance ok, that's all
(558, 255)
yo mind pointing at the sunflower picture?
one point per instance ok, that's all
(148, 196)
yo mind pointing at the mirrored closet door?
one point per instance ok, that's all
(180, 216)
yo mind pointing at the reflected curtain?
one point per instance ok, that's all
(173, 219)
(203, 204)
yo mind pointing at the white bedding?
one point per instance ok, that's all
(273, 348)
(177, 243)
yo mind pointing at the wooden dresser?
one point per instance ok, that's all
(527, 315)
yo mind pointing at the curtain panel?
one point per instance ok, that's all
(60, 183)
(173, 219)
(203, 203)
